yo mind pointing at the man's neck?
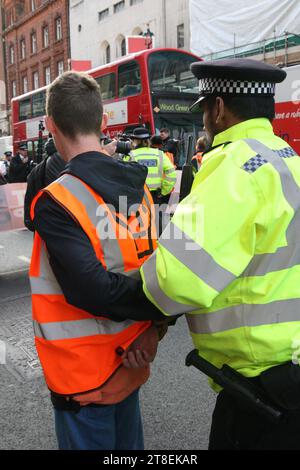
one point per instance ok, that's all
(82, 144)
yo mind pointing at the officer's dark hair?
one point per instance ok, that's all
(156, 140)
(249, 107)
(142, 143)
(165, 129)
(75, 105)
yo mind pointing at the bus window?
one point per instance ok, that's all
(170, 71)
(24, 109)
(108, 86)
(39, 104)
(129, 79)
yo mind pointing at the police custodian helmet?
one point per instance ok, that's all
(239, 77)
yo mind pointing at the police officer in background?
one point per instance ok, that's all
(232, 260)
(162, 176)
(170, 145)
(20, 166)
(6, 162)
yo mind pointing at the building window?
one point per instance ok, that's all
(11, 55)
(134, 2)
(103, 14)
(25, 84)
(14, 88)
(119, 6)
(180, 36)
(45, 36)
(22, 49)
(47, 75)
(33, 43)
(60, 67)
(35, 80)
(107, 54)
(58, 29)
(123, 47)
(32, 5)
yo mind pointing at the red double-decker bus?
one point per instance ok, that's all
(154, 88)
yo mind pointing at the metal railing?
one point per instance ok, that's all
(282, 43)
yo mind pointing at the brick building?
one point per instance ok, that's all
(36, 37)
(3, 111)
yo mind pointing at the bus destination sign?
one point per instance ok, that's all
(173, 106)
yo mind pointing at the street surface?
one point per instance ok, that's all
(177, 403)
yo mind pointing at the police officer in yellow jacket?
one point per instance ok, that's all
(161, 177)
(230, 258)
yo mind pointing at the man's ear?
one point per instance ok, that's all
(104, 122)
(220, 109)
(50, 126)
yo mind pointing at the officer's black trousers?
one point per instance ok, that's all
(236, 427)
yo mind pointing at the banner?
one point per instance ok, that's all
(139, 43)
(223, 24)
(12, 206)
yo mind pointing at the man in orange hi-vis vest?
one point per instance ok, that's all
(94, 230)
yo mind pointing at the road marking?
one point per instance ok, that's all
(1, 247)
(24, 258)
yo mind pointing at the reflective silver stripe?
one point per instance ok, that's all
(41, 286)
(199, 261)
(134, 274)
(79, 328)
(46, 283)
(170, 170)
(153, 186)
(99, 219)
(288, 256)
(168, 305)
(149, 204)
(161, 164)
(168, 178)
(245, 315)
(152, 175)
(143, 153)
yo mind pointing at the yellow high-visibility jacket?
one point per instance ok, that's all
(230, 258)
(161, 173)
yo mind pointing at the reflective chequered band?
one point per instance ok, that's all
(257, 161)
(208, 86)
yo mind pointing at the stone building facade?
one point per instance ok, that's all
(99, 28)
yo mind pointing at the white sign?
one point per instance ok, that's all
(117, 112)
(289, 89)
(32, 128)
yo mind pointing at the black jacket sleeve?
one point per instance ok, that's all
(83, 280)
(35, 182)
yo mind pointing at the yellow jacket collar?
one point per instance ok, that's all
(246, 129)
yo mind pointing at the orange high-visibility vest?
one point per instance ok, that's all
(77, 350)
(198, 157)
(170, 157)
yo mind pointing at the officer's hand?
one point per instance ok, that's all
(136, 359)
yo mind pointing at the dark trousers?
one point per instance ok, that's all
(236, 427)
